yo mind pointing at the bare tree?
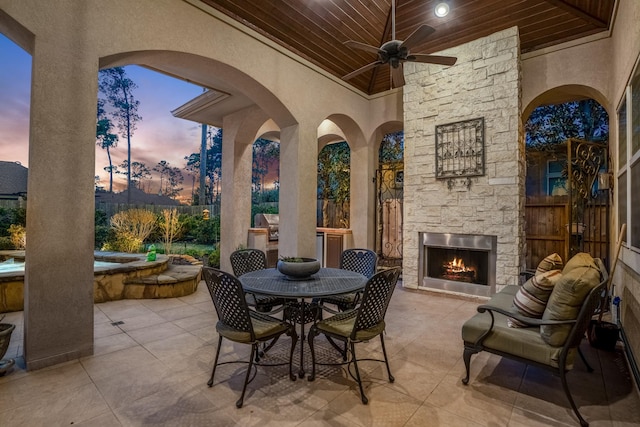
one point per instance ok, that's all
(136, 173)
(170, 178)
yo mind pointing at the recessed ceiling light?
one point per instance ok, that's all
(441, 10)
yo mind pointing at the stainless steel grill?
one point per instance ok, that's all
(269, 221)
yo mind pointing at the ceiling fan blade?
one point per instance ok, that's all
(432, 59)
(362, 46)
(397, 76)
(418, 36)
(361, 70)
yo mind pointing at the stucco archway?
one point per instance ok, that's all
(565, 93)
(558, 217)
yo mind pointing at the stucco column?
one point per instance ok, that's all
(58, 314)
(362, 189)
(235, 205)
(298, 190)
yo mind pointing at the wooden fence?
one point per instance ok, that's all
(112, 208)
(547, 230)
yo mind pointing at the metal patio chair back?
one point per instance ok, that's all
(245, 261)
(361, 324)
(239, 324)
(363, 261)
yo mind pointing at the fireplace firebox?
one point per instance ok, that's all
(458, 262)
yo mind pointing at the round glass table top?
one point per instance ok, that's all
(327, 281)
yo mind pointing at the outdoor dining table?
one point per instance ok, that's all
(326, 282)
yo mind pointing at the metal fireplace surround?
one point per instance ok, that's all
(481, 243)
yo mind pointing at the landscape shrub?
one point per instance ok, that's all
(5, 243)
(207, 232)
(214, 257)
(18, 236)
(131, 228)
(170, 226)
(9, 216)
(103, 232)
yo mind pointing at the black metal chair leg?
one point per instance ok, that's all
(215, 362)
(254, 348)
(355, 365)
(466, 356)
(271, 344)
(386, 359)
(584, 360)
(342, 351)
(565, 386)
(294, 340)
(313, 332)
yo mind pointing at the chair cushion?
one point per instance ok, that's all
(341, 325)
(550, 262)
(526, 343)
(579, 277)
(264, 327)
(531, 299)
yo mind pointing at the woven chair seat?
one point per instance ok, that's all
(342, 324)
(264, 327)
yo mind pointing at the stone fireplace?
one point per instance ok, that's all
(458, 262)
(472, 204)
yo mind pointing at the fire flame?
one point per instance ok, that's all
(457, 266)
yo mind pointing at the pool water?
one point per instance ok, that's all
(13, 266)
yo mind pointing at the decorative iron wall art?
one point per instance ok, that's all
(460, 150)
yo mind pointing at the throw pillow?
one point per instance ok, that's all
(531, 299)
(550, 262)
(579, 277)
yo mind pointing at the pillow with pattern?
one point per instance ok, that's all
(531, 299)
(550, 262)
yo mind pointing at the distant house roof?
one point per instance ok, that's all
(138, 197)
(13, 180)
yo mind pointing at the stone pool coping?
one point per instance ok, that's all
(134, 278)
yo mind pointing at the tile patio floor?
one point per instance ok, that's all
(152, 370)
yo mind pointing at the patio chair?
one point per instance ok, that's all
(360, 324)
(239, 324)
(363, 261)
(247, 260)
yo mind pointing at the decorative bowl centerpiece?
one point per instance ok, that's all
(297, 268)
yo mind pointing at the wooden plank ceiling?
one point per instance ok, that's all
(317, 29)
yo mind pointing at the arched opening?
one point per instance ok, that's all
(15, 86)
(567, 199)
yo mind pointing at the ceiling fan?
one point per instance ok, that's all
(396, 52)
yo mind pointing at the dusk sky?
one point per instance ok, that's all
(159, 135)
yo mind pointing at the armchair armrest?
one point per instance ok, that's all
(530, 321)
(528, 273)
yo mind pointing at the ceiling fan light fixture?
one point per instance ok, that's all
(441, 10)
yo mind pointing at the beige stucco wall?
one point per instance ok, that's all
(69, 41)
(599, 68)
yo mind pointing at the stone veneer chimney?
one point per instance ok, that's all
(485, 82)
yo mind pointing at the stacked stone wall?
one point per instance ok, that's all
(485, 82)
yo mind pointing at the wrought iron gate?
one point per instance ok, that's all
(588, 228)
(389, 204)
